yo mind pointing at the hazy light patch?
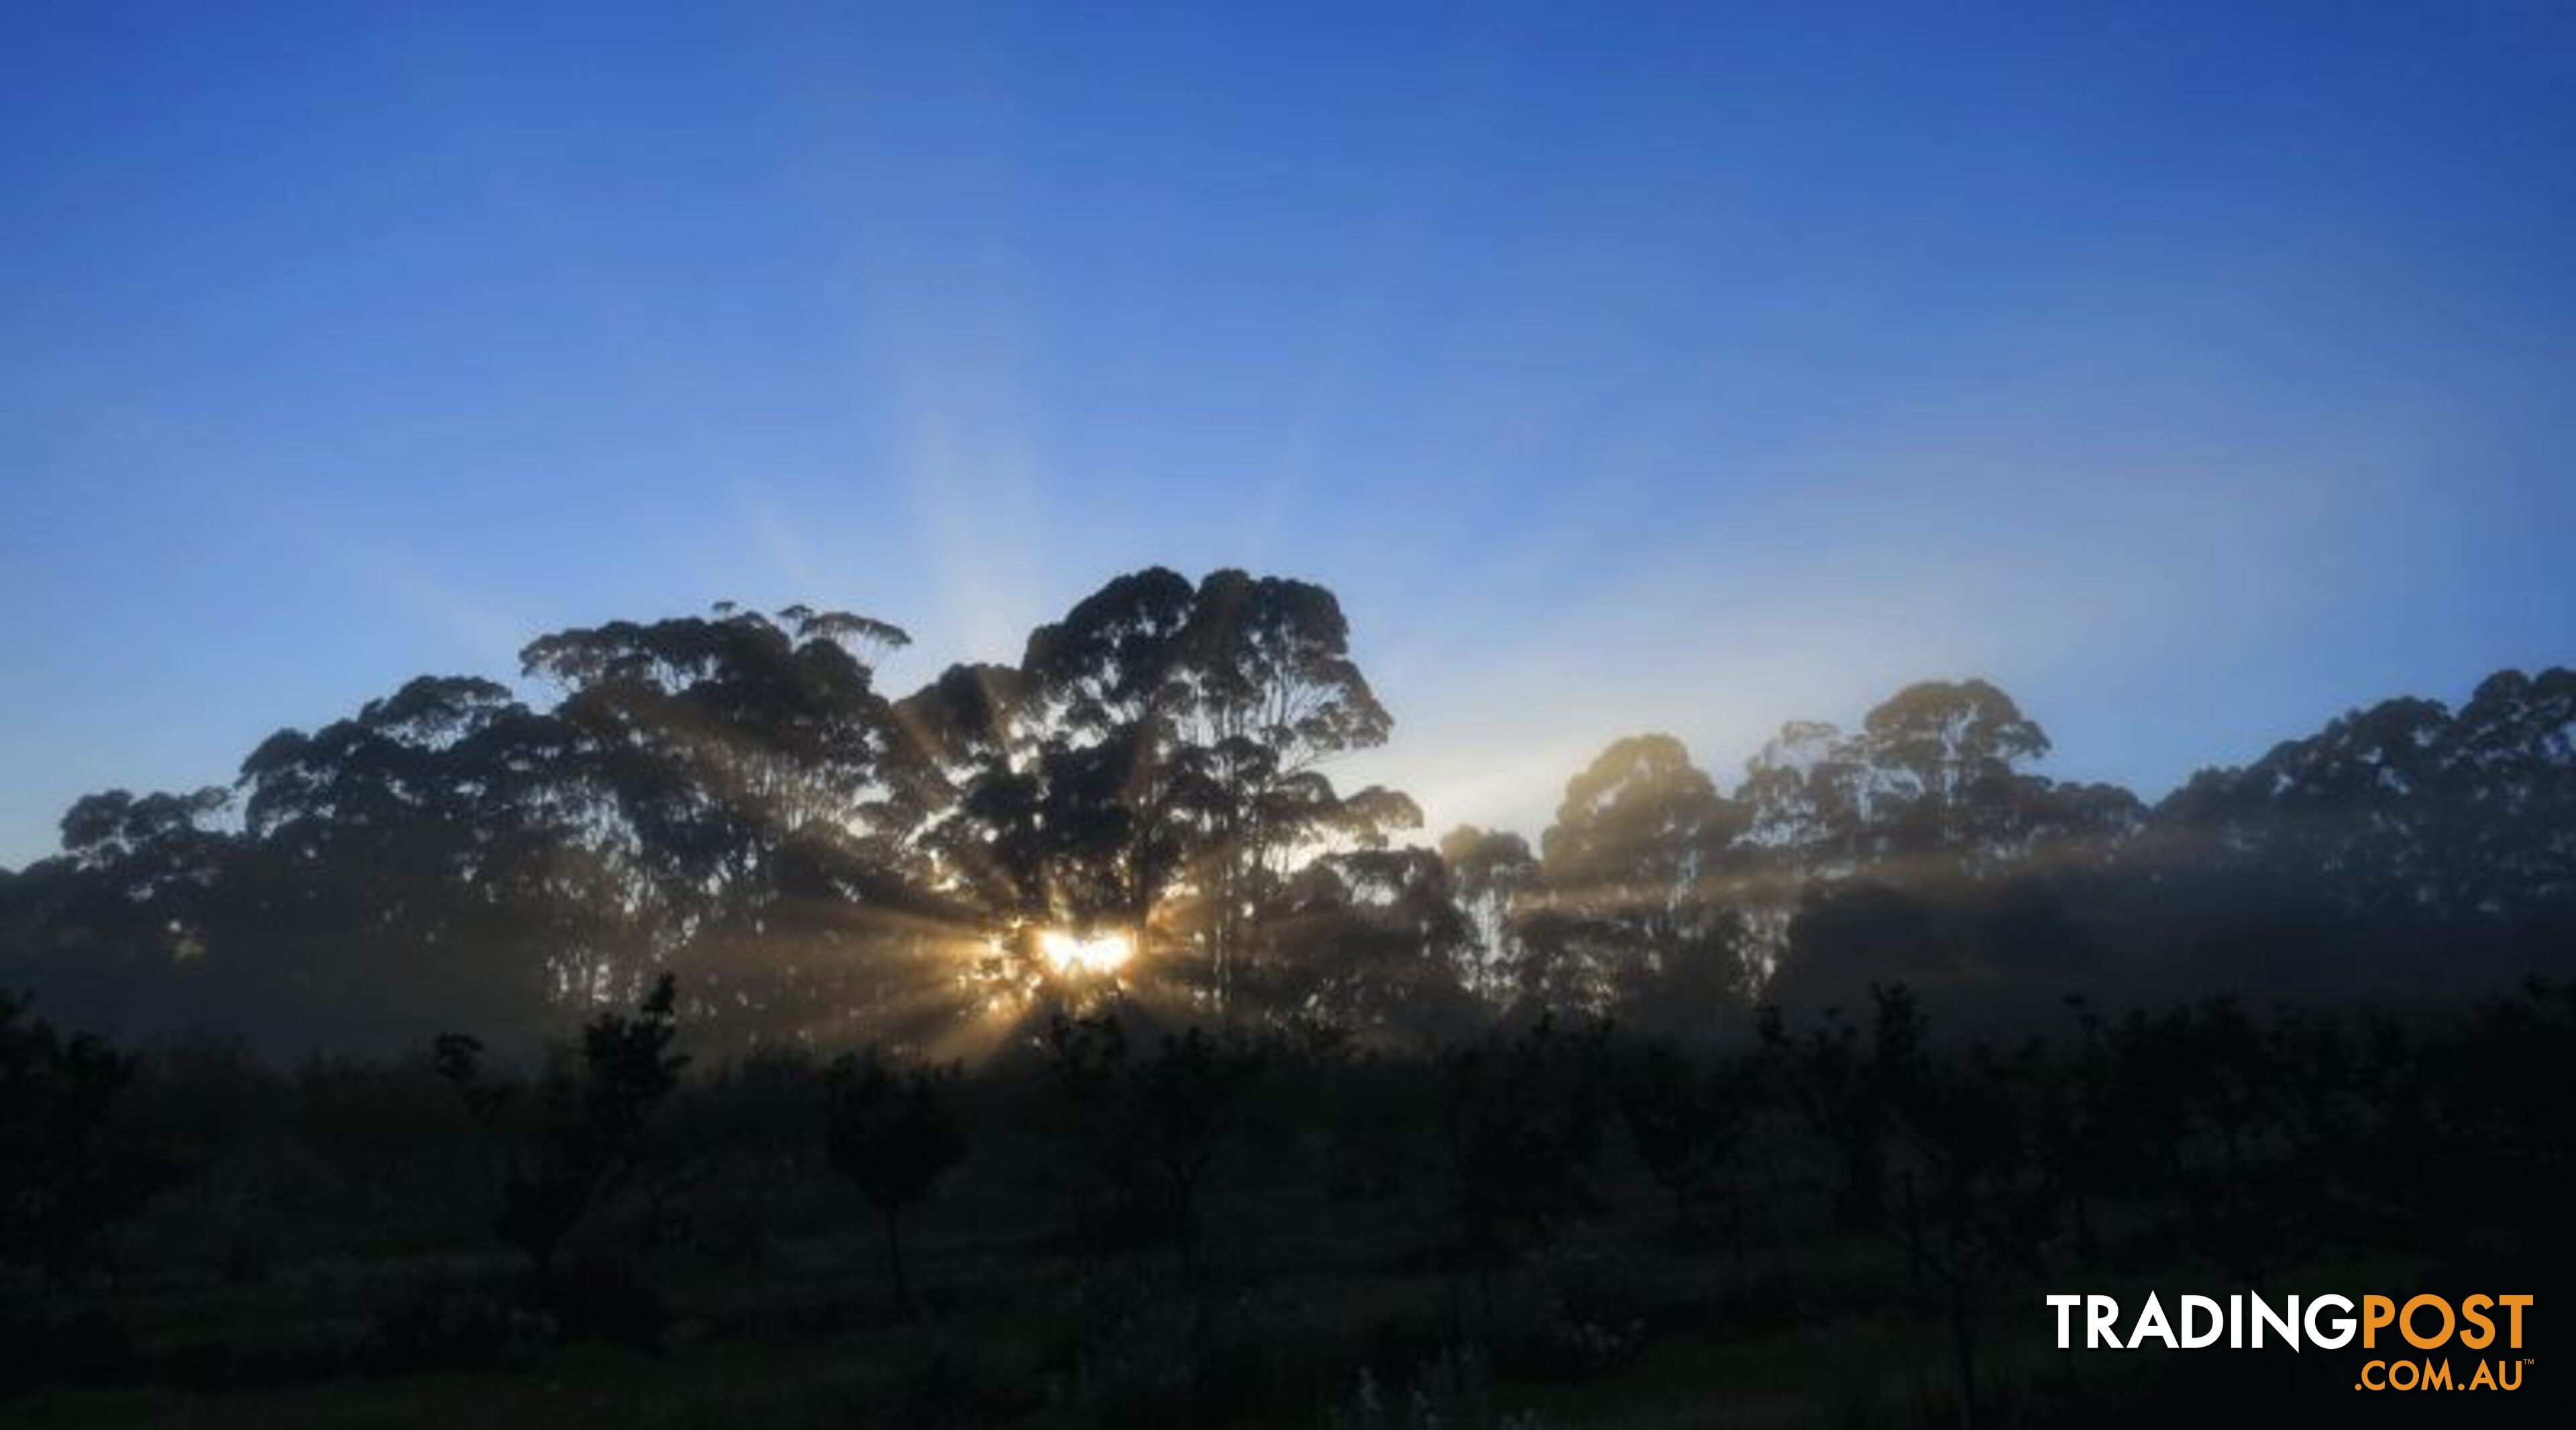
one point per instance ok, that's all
(1721, 659)
(2099, 528)
(954, 471)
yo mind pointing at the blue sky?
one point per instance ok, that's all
(2195, 372)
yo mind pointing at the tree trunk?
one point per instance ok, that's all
(1735, 1224)
(1963, 1340)
(894, 1261)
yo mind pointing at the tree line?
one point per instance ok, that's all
(732, 799)
(1829, 1170)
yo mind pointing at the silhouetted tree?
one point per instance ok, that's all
(744, 779)
(2395, 836)
(1187, 1099)
(1853, 935)
(1153, 762)
(1630, 919)
(1525, 1116)
(1850, 1088)
(1946, 758)
(1496, 879)
(731, 796)
(1977, 1204)
(62, 1183)
(894, 1133)
(1686, 1119)
(1372, 942)
(1151, 1127)
(589, 1120)
(406, 863)
(114, 931)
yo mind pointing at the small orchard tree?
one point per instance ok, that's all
(1151, 1126)
(1686, 1120)
(1187, 1098)
(590, 1119)
(62, 1184)
(1524, 1121)
(1851, 1088)
(894, 1132)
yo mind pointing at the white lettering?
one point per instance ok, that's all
(2342, 1324)
(2190, 1341)
(2286, 1329)
(2151, 1322)
(2064, 1304)
(2100, 1312)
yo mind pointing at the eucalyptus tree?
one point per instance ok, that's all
(1634, 910)
(1932, 785)
(1495, 880)
(1273, 695)
(1374, 942)
(1852, 936)
(1063, 803)
(2406, 810)
(726, 790)
(1151, 767)
(1946, 756)
(756, 796)
(2508, 821)
(985, 838)
(114, 928)
(1922, 848)
(407, 864)
(2394, 835)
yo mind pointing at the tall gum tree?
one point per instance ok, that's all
(1152, 766)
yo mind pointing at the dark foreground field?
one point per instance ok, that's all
(1836, 1223)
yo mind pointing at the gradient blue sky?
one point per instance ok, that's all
(2197, 372)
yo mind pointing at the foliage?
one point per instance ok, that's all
(1524, 1120)
(1149, 1128)
(1905, 1192)
(585, 1135)
(894, 1133)
(63, 1182)
(1686, 1119)
(733, 797)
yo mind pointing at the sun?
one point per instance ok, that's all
(1071, 953)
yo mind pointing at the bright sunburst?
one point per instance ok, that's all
(1072, 953)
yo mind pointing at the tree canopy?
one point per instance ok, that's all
(731, 796)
